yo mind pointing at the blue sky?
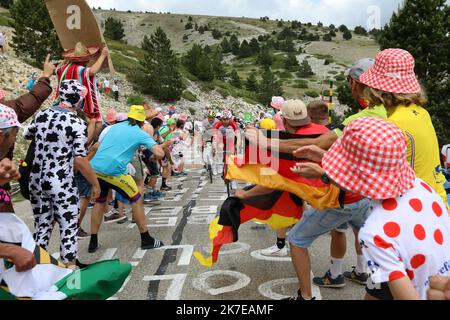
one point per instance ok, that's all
(349, 12)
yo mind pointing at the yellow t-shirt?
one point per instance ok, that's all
(423, 146)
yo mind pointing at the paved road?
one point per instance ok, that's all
(181, 221)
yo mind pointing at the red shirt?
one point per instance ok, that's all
(314, 129)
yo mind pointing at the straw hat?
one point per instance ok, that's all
(81, 53)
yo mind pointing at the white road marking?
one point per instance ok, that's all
(163, 222)
(124, 284)
(109, 254)
(175, 288)
(56, 255)
(242, 247)
(200, 282)
(186, 253)
(139, 254)
(266, 289)
(201, 219)
(164, 211)
(204, 209)
(134, 263)
(257, 255)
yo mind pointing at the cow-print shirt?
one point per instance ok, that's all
(60, 136)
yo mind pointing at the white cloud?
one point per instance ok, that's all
(349, 12)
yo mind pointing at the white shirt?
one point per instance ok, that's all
(115, 88)
(408, 236)
(2, 39)
(106, 83)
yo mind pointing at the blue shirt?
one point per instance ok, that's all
(118, 149)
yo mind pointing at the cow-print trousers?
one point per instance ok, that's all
(57, 205)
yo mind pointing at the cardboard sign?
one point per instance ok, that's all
(75, 22)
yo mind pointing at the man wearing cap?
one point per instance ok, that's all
(110, 164)
(60, 137)
(406, 238)
(326, 140)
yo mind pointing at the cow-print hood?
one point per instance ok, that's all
(71, 93)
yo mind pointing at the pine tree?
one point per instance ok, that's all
(114, 29)
(245, 50)
(305, 70)
(361, 31)
(226, 48)
(235, 45)
(205, 69)
(254, 45)
(421, 27)
(34, 34)
(188, 26)
(327, 37)
(268, 88)
(291, 61)
(265, 58)
(160, 67)
(343, 28)
(347, 35)
(288, 45)
(235, 80)
(6, 3)
(252, 83)
(192, 59)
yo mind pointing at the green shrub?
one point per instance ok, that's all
(312, 93)
(189, 96)
(207, 87)
(301, 84)
(340, 77)
(285, 75)
(223, 92)
(192, 111)
(135, 99)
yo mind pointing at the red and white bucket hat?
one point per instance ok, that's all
(393, 72)
(8, 118)
(370, 160)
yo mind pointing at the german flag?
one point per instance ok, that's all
(272, 170)
(278, 209)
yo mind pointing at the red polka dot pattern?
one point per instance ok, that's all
(416, 204)
(439, 237)
(417, 261)
(396, 275)
(429, 189)
(419, 232)
(392, 229)
(380, 243)
(437, 209)
(390, 204)
(410, 274)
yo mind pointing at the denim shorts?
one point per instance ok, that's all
(84, 188)
(315, 223)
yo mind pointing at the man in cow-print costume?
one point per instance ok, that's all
(60, 137)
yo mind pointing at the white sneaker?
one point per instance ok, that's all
(275, 252)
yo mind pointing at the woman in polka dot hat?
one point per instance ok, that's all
(406, 239)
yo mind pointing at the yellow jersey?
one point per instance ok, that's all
(423, 146)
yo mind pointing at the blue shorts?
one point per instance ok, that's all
(315, 223)
(84, 188)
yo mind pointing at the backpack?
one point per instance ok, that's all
(25, 170)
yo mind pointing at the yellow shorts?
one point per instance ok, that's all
(124, 184)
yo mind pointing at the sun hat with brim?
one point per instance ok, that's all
(183, 117)
(295, 113)
(393, 71)
(8, 118)
(81, 53)
(137, 113)
(277, 102)
(370, 160)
